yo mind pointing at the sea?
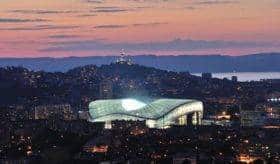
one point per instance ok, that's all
(246, 76)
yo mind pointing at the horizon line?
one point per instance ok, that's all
(63, 57)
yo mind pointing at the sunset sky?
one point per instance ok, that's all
(59, 28)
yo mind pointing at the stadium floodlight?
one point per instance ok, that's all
(132, 104)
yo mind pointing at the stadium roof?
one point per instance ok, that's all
(131, 107)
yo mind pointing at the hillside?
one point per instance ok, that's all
(79, 85)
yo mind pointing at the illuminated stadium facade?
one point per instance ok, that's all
(158, 113)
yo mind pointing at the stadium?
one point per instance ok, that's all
(157, 113)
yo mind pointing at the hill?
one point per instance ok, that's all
(266, 62)
(79, 85)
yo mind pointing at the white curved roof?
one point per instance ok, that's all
(131, 107)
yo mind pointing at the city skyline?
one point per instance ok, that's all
(162, 27)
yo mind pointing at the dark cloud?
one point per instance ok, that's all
(62, 36)
(111, 9)
(17, 20)
(149, 24)
(132, 25)
(107, 7)
(23, 42)
(174, 45)
(87, 15)
(44, 11)
(111, 26)
(38, 27)
(216, 2)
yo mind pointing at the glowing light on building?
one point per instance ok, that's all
(222, 116)
(132, 104)
(246, 158)
(29, 152)
(97, 149)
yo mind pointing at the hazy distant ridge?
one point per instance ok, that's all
(269, 62)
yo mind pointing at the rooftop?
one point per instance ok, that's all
(151, 109)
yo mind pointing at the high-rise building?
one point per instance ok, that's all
(252, 118)
(273, 97)
(106, 89)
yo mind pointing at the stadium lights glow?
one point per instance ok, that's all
(132, 104)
